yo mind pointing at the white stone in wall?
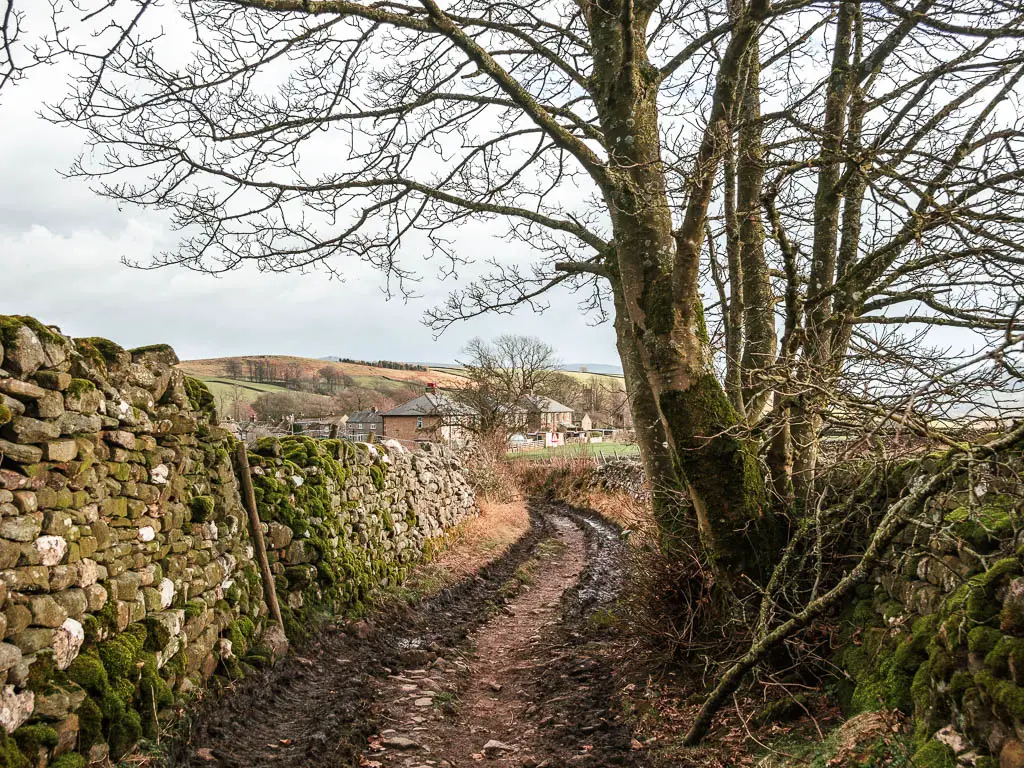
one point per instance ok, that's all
(50, 549)
(15, 708)
(297, 480)
(147, 533)
(88, 572)
(166, 590)
(67, 641)
(159, 474)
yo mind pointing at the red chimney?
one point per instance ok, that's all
(432, 387)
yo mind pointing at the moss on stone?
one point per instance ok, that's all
(44, 676)
(153, 695)
(202, 508)
(5, 414)
(157, 635)
(119, 654)
(934, 754)
(69, 760)
(108, 350)
(79, 387)
(199, 396)
(194, 609)
(377, 476)
(982, 639)
(10, 755)
(31, 738)
(10, 324)
(241, 632)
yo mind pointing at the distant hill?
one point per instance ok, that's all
(606, 370)
(224, 367)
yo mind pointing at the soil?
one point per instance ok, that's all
(503, 667)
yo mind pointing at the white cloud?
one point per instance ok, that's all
(60, 252)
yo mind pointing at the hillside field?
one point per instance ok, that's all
(216, 368)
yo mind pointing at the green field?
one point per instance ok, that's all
(225, 389)
(625, 450)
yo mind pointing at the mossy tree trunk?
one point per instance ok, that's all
(656, 271)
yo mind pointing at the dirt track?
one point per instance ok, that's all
(499, 658)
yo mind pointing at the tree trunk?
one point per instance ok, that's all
(734, 311)
(759, 338)
(661, 290)
(669, 505)
(816, 365)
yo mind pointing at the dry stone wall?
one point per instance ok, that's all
(127, 576)
(937, 632)
(940, 630)
(346, 518)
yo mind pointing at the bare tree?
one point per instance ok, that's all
(500, 375)
(333, 376)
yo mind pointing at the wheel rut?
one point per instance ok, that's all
(501, 669)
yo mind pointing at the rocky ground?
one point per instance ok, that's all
(495, 669)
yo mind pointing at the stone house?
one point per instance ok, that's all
(545, 415)
(431, 416)
(366, 425)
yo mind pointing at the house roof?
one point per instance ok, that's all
(365, 417)
(431, 404)
(541, 404)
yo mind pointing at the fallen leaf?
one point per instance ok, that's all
(205, 753)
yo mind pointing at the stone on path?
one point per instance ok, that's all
(399, 742)
(495, 747)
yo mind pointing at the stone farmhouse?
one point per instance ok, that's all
(436, 416)
(431, 416)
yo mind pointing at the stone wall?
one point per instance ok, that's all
(127, 577)
(939, 633)
(345, 518)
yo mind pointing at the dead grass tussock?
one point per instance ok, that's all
(471, 546)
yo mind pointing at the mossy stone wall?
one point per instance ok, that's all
(115, 597)
(127, 575)
(939, 634)
(344, 519)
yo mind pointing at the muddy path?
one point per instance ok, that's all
(498, 668)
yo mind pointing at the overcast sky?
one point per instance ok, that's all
(61, 247)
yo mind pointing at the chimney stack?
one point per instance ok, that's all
(432, 388)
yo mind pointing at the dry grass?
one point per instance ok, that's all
(214, 367)
(469, 547)
(484, 538)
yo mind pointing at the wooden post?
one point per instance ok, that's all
(256, 531)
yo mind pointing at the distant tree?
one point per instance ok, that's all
(566, 389)
(277, 406)
(332, 376)
(233, 404)
(234, 367)
(499, 375)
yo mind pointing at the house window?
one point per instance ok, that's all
(419, 423)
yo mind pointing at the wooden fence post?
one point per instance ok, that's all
(256, 531)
